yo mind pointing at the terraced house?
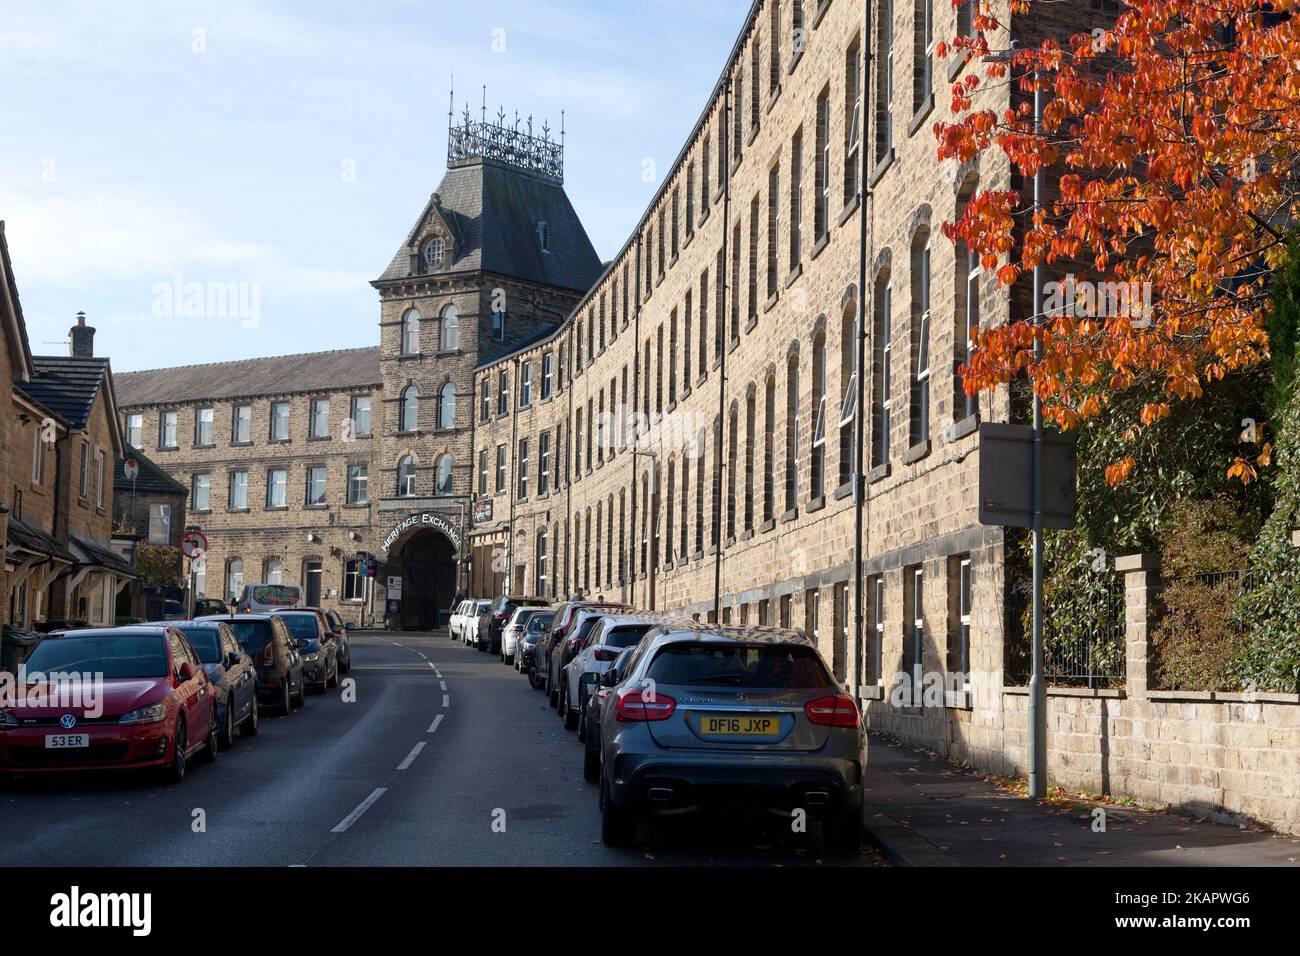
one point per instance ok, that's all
(678, 427)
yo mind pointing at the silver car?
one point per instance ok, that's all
(702, 714)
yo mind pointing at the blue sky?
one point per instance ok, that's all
(288, 147)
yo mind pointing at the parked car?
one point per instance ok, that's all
(155, 710)
(589, 729)
(602, 644)
(265, 598)
(204, 607)
(316, 643)
(342, 642)
(172, 611)
(514, 629)
(560, 624)
(750, 714)
(564, 645)
(469, 629)
(535, 631)
(267, 640)
(494, 619)
(459, 614)
(233, 676)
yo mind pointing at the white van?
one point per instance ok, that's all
(265, 598)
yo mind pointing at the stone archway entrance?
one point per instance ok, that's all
(426, 563)
(423, 549)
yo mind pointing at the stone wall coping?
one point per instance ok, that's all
(1137, 562)
(1111, 692)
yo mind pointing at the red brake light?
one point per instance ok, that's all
(268, 654)
(630, 708)
(832, 712)
(607, 653)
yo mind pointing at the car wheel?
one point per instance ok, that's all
(332, 681)
(552, 691)
(301, 699)
(209, 752)
(285, 701)
(250, 725)
(534, 680)
(228, 726)
(569, 714)
(176, 769)
(842, 831)
(617, 824)
(509, 659)
(590, 765)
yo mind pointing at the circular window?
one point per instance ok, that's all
(434, 252)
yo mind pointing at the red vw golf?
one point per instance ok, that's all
(126, 697)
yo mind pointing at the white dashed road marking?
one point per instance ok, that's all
(446, 700)
(410, 758)
(433, 727)
(355, 815)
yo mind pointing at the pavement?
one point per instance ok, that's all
(926, 811)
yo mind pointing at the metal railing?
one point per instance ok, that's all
(1092, 653)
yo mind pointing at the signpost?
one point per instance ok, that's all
(194, 545)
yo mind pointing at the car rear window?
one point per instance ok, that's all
(302, 625)
(540, 623)
(274, 595)
(252, 635)
(626, 636)
(206, 642)
(114, 657)
(740, 665)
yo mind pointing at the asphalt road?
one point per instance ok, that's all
(446, 758)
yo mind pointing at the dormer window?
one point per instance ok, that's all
(435, 251)
(544, 235)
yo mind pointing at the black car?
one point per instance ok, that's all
(567, 646)
(589, 728)
(320, 652)
(231, 671)
(561, 623)
(206, 607)
(538, 626)
(266, 639)
(496, 616)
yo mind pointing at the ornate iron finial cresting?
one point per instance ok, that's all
(498, 139)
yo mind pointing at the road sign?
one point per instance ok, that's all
(394, 606)
(131, 468)
(193, 544)
(394, 586)
(1006, 477)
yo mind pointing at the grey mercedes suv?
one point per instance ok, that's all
(707, 714)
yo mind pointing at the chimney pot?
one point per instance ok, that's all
(82, 336)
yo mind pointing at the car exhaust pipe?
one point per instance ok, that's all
(660, 794)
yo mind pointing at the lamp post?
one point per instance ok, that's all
(1037, 714)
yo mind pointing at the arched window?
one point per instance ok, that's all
(450, 329)
(411, 332)
(447, 406)
(848, 390)
(406, 477)
(442, 475)
(273, 571)
(817, 457)
(410, 409)
(919, 407)
(541, 562)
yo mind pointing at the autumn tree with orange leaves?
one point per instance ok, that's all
(1172, 139)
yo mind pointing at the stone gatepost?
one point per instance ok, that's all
(1141, 578)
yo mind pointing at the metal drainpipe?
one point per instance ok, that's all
(513, 488)
(862, 506)
(636, 431)
(727, 120)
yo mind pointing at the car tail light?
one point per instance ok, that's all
(832, 712)
(268, 654)
(630, 708)
(607, 653)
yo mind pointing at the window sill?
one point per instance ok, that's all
(767, 525)
(276, 508)
(966, 426)
(704, 214)
(850, 208)
(280, 441)
(682, 562)
(671, 262)
(843, 491)
(237, 511)
(697, 555)
(816, 504)
(735, 163)
(881, 168)
(249, 444)
(686, 242)
(795, 273)
(713, 549)
(320, 507)
(821, 244)
(769, 304)
(794, 61)
(198, 447)
(926, 109)
(317, 438)
(753, 135)
(878, 473)
(746, 534)
(956, 66)
(821, 12)
(771, 100)
(702, 379)
(790, 515)
(168, 448)
(917, 452)
(357, 504)
(717, 195)
(731, 346)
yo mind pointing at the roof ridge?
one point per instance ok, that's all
(244, 361)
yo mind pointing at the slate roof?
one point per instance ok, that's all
(494, 210)
(95, 553)
(248, 378)
(66, 386)
(31, 538)
(20, 346)
(151, 477)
